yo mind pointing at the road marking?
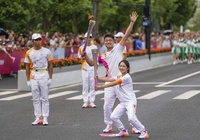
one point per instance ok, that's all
(146, 83)
(178, 79)
(79, 97)
(7, 92)
(152, 67)
(181, 86)
(30, 94)
(154, 94)
(133, 90)
(61, 94)
(16, 97)
(188, 94)
(67, 86)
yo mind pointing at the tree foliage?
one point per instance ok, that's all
(173, 12)
(71, 15)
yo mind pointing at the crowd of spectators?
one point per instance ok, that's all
(63, 45)
(57, 42)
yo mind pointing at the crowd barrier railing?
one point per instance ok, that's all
(7, 66)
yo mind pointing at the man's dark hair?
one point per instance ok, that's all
(109, 35)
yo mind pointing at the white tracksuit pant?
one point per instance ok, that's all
(109, 101)
(88, 89)
(130, 109)
(40, 93)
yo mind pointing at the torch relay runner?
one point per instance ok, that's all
(128, 102)
(88, 81)
(110, 60)
(39, 70)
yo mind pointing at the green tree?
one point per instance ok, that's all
(74, 14)
(14, 15)
(172, 12)
(115, 17)
(71, 15)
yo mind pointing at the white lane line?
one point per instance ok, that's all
(7, 92)
(154, 94)
(133, 90)
(63, 87)
(16, 97)
(188, 94)
(29, 94)
(178, 79)
(146, 83)
(79, 97)
(61, 94)
(181, 86)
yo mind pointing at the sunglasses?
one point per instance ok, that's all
(39, 39)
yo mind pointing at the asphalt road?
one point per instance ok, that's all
(168, 106)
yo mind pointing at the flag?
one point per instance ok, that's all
(1, 62)
(12, 59)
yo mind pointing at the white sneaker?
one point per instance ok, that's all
(45, 122)
(123, 133)
(135, 131)
(93, 105)
(144, 135)
(108, 129)
(38, 121)
(85, 105)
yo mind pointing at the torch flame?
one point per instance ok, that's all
(90, 16)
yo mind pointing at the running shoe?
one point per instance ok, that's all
(93, 105)
(108, 129)
(123, 133)
(45, 122)
(144, 135)
(85, 105)
(38, 121)
(135, 131)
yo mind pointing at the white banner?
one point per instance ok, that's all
(1, 62)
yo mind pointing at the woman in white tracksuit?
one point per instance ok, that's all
(124, 91)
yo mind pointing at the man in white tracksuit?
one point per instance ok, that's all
(111, 59)
(88, 90)
(39, 69)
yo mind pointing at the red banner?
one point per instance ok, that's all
(7, 66)
(6, 63)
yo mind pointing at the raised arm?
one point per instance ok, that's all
(133, 18)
